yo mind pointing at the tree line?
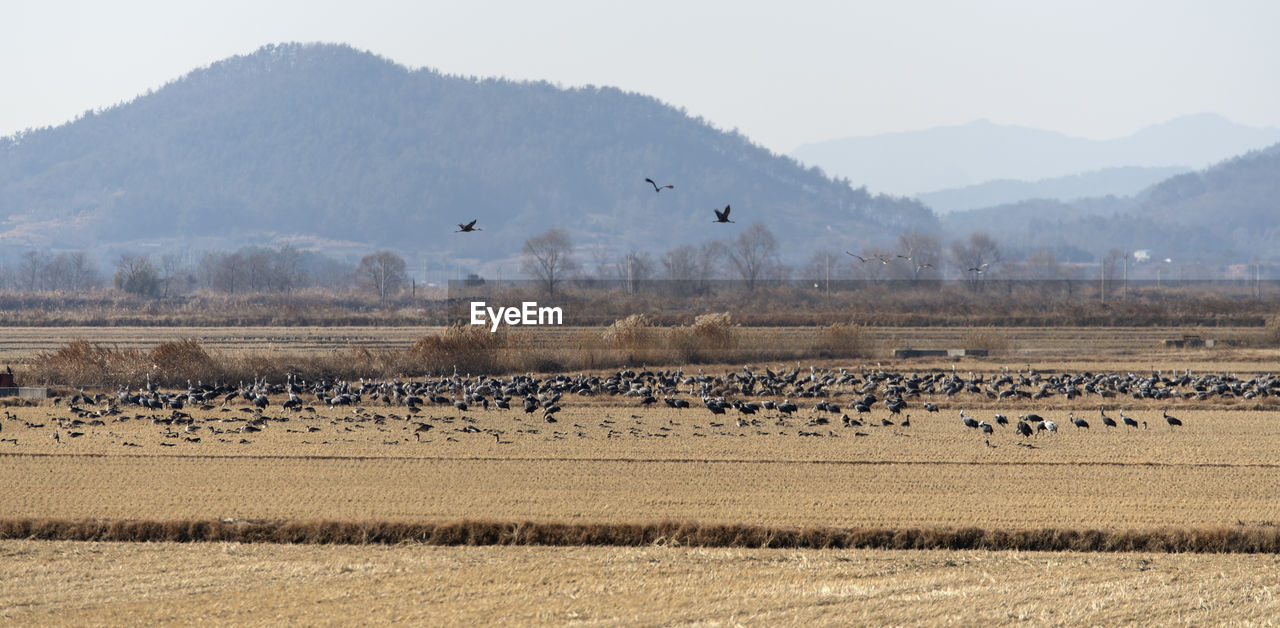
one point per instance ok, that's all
(551, 259)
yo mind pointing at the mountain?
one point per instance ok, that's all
(918, 162)
(1224, 214)
(1126, 181)
(327, 147)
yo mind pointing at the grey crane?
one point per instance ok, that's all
(659, 188)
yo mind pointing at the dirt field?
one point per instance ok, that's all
(58, 583)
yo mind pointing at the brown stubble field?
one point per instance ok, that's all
(61, 583)
(607, 460)
(612, 463)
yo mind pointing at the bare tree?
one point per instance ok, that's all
(680, 263)
(976, 258)
(287, 273)
(82, 272)
(170, 267)
(691, 268)
(1042, 265)
(30, 270)
(602, 268)
(635, 268)
(383, 272)
(549, 258)
(876, 264)
(919, 256)
(229, 273)
(826, 266)
(753, 257)
(258, 271)
(135, 274)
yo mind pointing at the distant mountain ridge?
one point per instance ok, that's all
(324, 145)
(919, 162)
(1126, 181)
(1225, 214)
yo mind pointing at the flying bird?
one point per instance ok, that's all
(860, 258)
(978, 269)
(467, 228)
(659, 188)
(722, 216)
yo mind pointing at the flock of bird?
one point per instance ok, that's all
(754, 397)
(722, 215)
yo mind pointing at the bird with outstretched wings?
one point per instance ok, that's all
(468, 227)
(659, 188)
(722, 216)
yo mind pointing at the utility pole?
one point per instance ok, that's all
(1102, 281)
(827, 290)
(1124, 295)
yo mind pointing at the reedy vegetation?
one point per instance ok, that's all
(458, 348)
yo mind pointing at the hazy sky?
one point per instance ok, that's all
(782, 73)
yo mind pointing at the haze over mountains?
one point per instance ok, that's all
(343, 152)
(1126, 181)
(941, 164)
(1220, 216)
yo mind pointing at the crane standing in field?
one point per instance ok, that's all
(1106, 420)
(1128, 421)
(1079, 423)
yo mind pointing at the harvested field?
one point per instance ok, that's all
(609, 461)
(230, 583)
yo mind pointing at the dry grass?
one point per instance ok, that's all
(281, 584)
(993, 341)
(843, 341)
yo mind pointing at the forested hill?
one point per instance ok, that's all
(1225, 214)
(324, 143)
